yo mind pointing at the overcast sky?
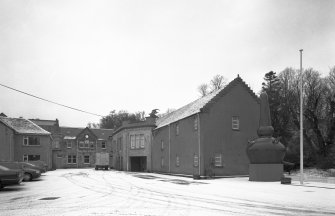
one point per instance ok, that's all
(140, 55)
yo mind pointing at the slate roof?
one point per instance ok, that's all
(23, 126)
(201, 103)
(71, 132)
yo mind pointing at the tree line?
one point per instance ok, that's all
(318, 113)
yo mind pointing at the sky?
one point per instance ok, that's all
(104, 55)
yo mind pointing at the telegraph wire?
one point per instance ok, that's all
(50, 101)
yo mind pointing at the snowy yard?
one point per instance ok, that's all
(90, 192)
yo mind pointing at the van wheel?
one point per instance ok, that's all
(27, 177)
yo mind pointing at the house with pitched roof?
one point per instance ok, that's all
(78, 146)
(23, 140)
(131, 146)
(208, 136)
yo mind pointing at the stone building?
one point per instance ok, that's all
(132, 144)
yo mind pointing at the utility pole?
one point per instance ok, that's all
(301, 125)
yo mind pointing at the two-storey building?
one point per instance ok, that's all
(132, 144)
(79, 146)
(23, 140)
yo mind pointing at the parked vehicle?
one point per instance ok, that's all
(41, 164)
(10, 177)
(28, 173)
(32, 166)
(102, 160)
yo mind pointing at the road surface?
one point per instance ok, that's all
(90, 192)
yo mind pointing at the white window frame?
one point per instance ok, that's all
(25, 141)
(177, 129)
(142, 141)
(103, 144)
(235, 123)
(132, 141)
(25, 157)
(218, 160)
(137, 141)
(85, 156)
(67, 144)
(162, 145)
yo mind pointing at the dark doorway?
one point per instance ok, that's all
(138, 164)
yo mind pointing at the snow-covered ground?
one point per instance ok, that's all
(90, 192)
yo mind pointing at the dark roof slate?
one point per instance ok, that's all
(73, 132)
(201, 103)
(23, 126)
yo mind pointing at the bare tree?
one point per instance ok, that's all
(203, 89)
(217, 82)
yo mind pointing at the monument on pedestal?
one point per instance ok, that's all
(265, 153)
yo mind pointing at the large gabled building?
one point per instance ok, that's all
(210, 135)
(23, 140)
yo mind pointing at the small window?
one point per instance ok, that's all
(103, 145)
(31, 141)
(177, 161)
(71, 159)
(177, 129)
(195, 160)
(196, 123)
(218, 160)
(162, 145)
(25, 140)
(25, 157)
(69, 144)
(34, 157)
(86, 159)
(235, 123)
(132, 141)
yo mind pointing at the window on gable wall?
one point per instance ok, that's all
(103, 145)
(162, 145)
(86, 159)
(218, 160)
(71, 159)
(177, 129)
(196, 123)
(69, 144)
(177, 161)
(235, 123)
(195, 160)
